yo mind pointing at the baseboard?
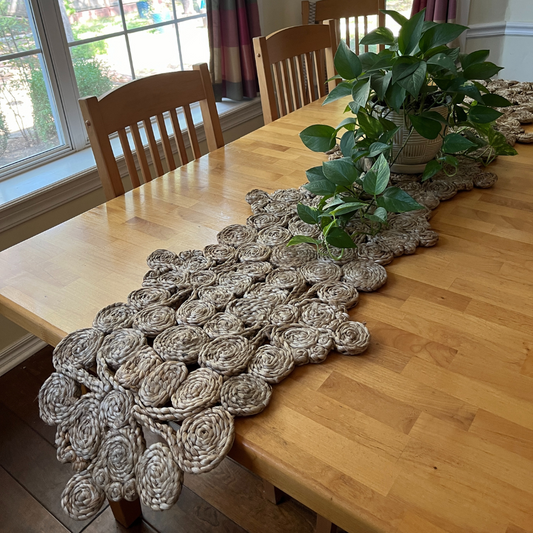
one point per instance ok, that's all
(19, 351)
(500, 29)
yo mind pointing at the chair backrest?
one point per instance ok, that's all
(292, 65)
(122, 109)
(346, 15)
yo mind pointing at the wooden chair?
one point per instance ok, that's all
(121, 110)
(292, 65)
(345, 11)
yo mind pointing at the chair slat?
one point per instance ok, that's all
(128, 157)
(152, 146)
(366, 32)
(347, 22)
(184, 158)
(301, 80)
(293, 75)
(165, 141)
(279, 89)
(191, 129)
(141, 156)
(309, 69)
(356, 36)
(285, 76)
(320, 72)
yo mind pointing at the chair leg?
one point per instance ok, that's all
(324, 526)
(271, 493)
(126, 512)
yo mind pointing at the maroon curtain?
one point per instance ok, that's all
(232, 25)
(436, 10)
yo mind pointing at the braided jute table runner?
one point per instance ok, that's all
(205, 338)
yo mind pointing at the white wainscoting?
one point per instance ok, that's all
(19, 351)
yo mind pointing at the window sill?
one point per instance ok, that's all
(42, 189)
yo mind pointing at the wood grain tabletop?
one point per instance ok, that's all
(431, 430)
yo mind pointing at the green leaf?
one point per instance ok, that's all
(348, 123)
(368, 59)
(319, 137)
(410, 33)
(440, 34)
(360, 92)
(427, 127)
(378, 148)
(308, 214)
(339, 238)
(388, 135)
(395, 200)
(455, 143)
(315, 174)
(379, 215)
(343, 89)
(340, 172)
(413, 83)
(435, 116)
(320, 187)
(298, 239)
(380, 84)
(483, 114)
(347, 143)
(382, 170)
(378, 36)
(495, 100)
(443, 61)
(478, 56)
(397, 17)
(431, 169)
(481, 71)
(349, 207)
(371, 126)
(347, 63)
(468, 88)
(395, 97)
(404, 67)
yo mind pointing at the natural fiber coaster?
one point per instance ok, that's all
(82, 499)
(257, 270)
(292, 256)
(307, 344)
(199, 391)
(274, 235)
(271, 363)
(195, 312)
(252, 311)
(205, 439)
(223, 324)
(315, 312)
(159, 479)
(351, 338)
(228, 355)
(365, 275)
(201, 278)
(289, 196)
(284, 314)
(245, 395)
(255, 195)
(338, 293)
(253, 251)
(56, 397)
(180, 343)
(299, 227)
(154, 319)
(115, 409)
(485, 180)
(285, 279)
(159, 385)
(235, 281)
(141, 298)
(161, 258)
(220, 253)
(236, 234)
(119, 345)
(319, 271)
(428, 237)
(219, 296)
(77, 350)
(115, 316)
(268, 292)
(372, 252)
(137, 367)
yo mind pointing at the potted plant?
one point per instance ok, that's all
(417, 89)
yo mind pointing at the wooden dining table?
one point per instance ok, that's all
(429, 431)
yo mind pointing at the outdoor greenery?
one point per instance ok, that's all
(414, 74)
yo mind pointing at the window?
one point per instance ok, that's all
(53, 53)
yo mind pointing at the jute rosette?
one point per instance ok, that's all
(299, 227)
(345, 255)
(292, 256)
(220, 253)
(236, 235)
(441, 188)
(462, 181)
(235, 281)
(228, 355)
(161, 258)
(351, 338)
(78, 349)
(137, 367)
(56, 397)
(115, 316)
(195, 312)
(159, 478)
(205, 439)
(154, 319)
(119, 345)
(196, 263)
(279, 208)
(180, 343)
(257, 207)
(319, 271)
(253, 251)
(151, 279)
(338, 293)
(285, 279)
(427, 199)
(115, 409)
(268, 292)
(406, 222)
(428, 237)
(289, 196)
(82, 498)
(159, 385)
(307, 344)
(397, 242)
(315, 312)
(373, 252)
(201, 278)
(141, 298)
(245, 395)
(172, 280)
(199, 391)
(365, 275)
(485, 180)
(223, 324)
(257, 194)
(271, 363)
(218, 295)
(252, 311)
(274, 236)
(263, 220)
(284, 314)
(257, 270)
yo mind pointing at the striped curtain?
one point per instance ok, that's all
(436, 10)
(232, 25)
